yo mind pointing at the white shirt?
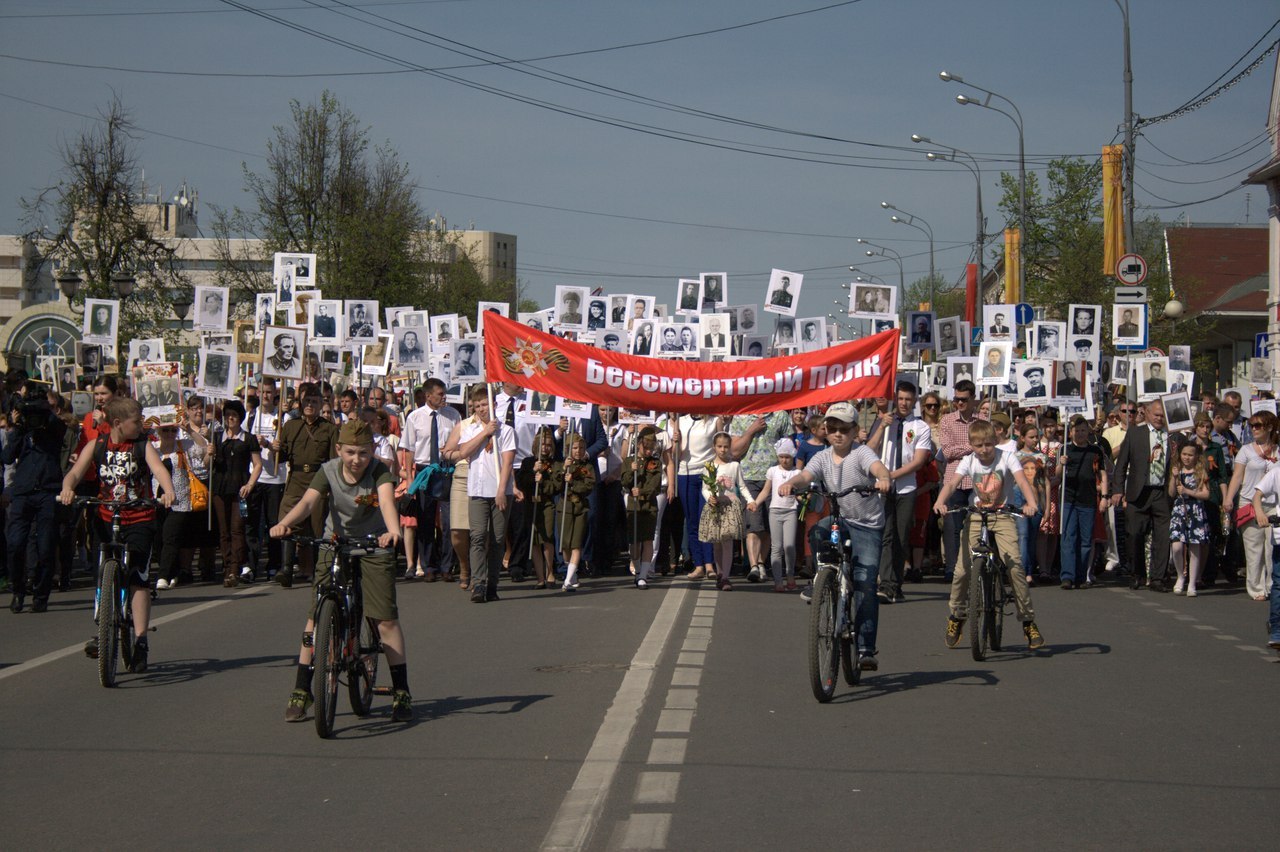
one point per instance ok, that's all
(696, 444)
(526, 429)
(417, 431)
(915, 436)
(1268, 488)
(482, 467)
(264, 426)
(992, 483)
(776, 476)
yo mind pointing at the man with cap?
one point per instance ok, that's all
(1035, 383)
(466, 366)
(360, 493)
(569, 314)
(305, 443)
(839, 466)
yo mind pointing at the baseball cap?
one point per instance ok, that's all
(1002, 419)
(841, 411)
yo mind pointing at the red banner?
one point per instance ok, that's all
(861, 369)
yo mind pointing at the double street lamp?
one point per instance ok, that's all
(1016, 118)
(954, 157)
(925, 228)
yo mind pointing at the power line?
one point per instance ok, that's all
(1196, 104)
(1238, 151)
(153, 12)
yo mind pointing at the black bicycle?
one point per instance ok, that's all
(346, 643)
(114, 603)
(833, 619)
(989, 586)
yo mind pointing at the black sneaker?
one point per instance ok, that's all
(806, 594)
(401, 706)
(285, 579)
(955, 627)
(140, 648)
(300, 702)
(1034, 639)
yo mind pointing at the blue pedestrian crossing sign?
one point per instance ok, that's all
(1024, 313)
(975, 337)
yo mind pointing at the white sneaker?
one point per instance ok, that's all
(173, 584)
(642, 583)
(756, 574)
(1191, 591)
(162, 584)
(246, 574)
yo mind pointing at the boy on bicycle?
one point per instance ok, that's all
(125, 461)
(994, 473)
(361, 501)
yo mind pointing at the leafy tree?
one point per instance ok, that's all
(91, 222)
(325, 190)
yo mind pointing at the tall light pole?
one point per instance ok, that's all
(927, 229)
(1016, 118)
(954, 157)
(1129, 246)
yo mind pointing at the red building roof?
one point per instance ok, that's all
(1219, 269)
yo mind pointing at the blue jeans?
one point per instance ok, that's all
(865, 543)
(1028, 529)
(1077, 540)
(1273, 623)
(690, 491)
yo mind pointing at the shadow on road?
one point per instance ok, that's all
(166, 672)
(1083, 648)
(877, 686)
(378, 722)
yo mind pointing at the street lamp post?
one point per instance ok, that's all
(1016, 118)
(927, 229)
(1129, 246)
(953, 157)
(902, 276)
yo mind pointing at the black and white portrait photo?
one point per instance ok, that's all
(715, 290)
(597, 314)
(612, 339)
(248, 343)
(377, 357)
(783, 294)
(211, 309)
(1046, 340)
(217, 374)
(536, 320)
(784, 335)
(688, 295)
(618, 310)
(410, 348)
(264, 311)
(1153, 377)
(873, 300)
(1179, 357)
(1259, 373)
(466, 358)
(920, 329)
(394, 317)
(283, 353)
(89, 357)
(997, 322)
(1085, 320)
(362, 321)
(813, 333)
(145, 350)
(642, 338)
(1032, 381)
(101, 321)
(444, 328)
(326, 321)
(416, 319)
(950, 339)
(713, 329)
(995, 359)
(571, 302)
(640, 308)
(1068, 380)
(1128, 324)
(1120, 370)
(1177, 411)
(502, 309)
(1083, 349)
(291, 272)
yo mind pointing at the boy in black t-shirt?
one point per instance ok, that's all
(1083, 469)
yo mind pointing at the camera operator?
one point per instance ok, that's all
(35, 446)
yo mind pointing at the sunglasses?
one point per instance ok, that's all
(964, 399)
(931, 405)
(1257, 425)
(839, 426)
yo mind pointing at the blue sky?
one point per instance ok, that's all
(866, 71)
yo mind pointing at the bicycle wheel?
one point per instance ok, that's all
(979, 613)
(849, 662)
(1002, 593)
(328, 660)
(363, 676)
(824, 651)
(109, 623)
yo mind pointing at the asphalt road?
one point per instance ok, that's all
(674, 718)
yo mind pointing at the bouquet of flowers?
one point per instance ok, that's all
(710, 480)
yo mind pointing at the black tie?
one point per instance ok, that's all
(435, 440)
(511, 412)
(896, 457)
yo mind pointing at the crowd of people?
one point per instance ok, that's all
(467, 494)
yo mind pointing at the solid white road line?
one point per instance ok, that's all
(78, 648)
(580, 811)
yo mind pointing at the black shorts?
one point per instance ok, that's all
(757, 521)
(137, 539)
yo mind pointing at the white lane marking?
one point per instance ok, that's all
(675, 722)
(699, 633)
(78, 648)
(686, 677)
(1228, 638)
(668, 751)
(1167, 611)
(682, 699)
(1250, 648)
(1204, 627)
(580, 811)
(657, 788)
(646, 831)
(691, 658)
(692, 644)
(701, 621)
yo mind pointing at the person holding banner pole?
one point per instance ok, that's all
(579, 475)
(534, 480)
(642, 478)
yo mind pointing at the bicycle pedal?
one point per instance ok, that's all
(382, 690)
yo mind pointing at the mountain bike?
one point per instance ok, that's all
(346, 643)
(114, 603)
(989, 587)
(833, 623)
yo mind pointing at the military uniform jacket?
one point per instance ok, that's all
(305, 448)
(645, 474)
(581, 484)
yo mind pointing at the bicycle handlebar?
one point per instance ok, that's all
(985, 511)
(822, 492)
(114, 504)
(363, 545)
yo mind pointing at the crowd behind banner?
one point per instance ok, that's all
(1135, 475)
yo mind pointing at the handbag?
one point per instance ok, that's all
(1244, 514)
(198, 490)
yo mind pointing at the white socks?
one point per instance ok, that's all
(571, 576)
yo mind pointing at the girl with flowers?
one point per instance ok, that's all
(724, 492)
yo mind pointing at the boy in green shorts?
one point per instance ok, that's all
(361, 496)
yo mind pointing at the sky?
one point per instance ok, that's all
(823, 98)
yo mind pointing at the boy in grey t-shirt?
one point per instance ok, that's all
(361, 494)
(844, 465)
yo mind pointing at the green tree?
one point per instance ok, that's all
(326, 190)
(94, 223)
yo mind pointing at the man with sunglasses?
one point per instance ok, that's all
(954, 434)
(905, 446)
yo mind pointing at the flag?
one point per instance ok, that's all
(971, 294)
(1112, 207)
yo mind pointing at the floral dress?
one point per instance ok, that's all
(1190, 521)
(1051, 507)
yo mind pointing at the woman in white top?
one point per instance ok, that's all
(176, 454)
(783, 512)
(721, 521)
(693, 436)
(1251, 464)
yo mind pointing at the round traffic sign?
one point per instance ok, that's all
(1024, 313)
(1131, 269)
